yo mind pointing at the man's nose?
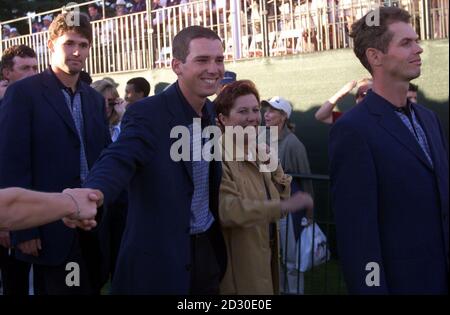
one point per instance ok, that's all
(419, 49)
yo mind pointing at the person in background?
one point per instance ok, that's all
(52, 129)
(6, 30)
(136, 89)
(138, 6)
(121, 8)
(327, 115)
(228, 77)
(294, 160)
(18, 62)
(94, 12)
(412, 93)
(46, 21)
(13, 32)
(250, 201)
(36, 27)
(85, 77)
(115, 106)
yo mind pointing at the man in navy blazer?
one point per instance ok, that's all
(17, 62)
(389, 171)
(52, 129)
(172, 243)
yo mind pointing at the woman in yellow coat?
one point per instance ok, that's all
(250, 201)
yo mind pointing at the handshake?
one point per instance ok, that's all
(84, 204)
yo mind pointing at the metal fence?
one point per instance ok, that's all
(248, 28)
(325, 278)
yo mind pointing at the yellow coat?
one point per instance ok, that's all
(245, 213)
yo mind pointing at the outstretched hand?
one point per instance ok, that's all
(86, 202)
(86, 224)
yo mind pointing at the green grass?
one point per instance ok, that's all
(325, 279)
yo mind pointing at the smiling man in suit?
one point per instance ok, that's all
(389, 171)
(172, 243)
(52, 129)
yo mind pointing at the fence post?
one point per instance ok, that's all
(1, 40)
(103, 10)
(150, 33)
(425, 21)
(235, 9)
(264, 28)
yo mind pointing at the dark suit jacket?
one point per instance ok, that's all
(391, 206)
(154, 257)
(41, 150)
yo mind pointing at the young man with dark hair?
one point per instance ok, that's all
(52, 129)
(389, 171)
(136, 89)
(172, 243)
(18, 62)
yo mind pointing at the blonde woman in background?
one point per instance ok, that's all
(115, 106)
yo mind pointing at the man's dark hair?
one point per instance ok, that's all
(370, 36)
(412, 87)
(140, 85)
(94, 5)
(85, 77)
(22, 51)
(59, 26)
(181, 41)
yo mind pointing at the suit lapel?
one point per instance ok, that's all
(89, 120)
(173, 105)
(54, 96)
(389, 121)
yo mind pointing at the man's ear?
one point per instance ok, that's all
(5, 73)
(176, 66)
(221, 119)
(374, 57)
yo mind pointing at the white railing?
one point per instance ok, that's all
(248, 28)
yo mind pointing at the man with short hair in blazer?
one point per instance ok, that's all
(389, 171)
(172, 243)
(52, 129)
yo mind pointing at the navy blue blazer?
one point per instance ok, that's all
(391, 206)
(154, 257)
(40, 150)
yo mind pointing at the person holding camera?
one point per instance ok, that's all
(115, 106)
